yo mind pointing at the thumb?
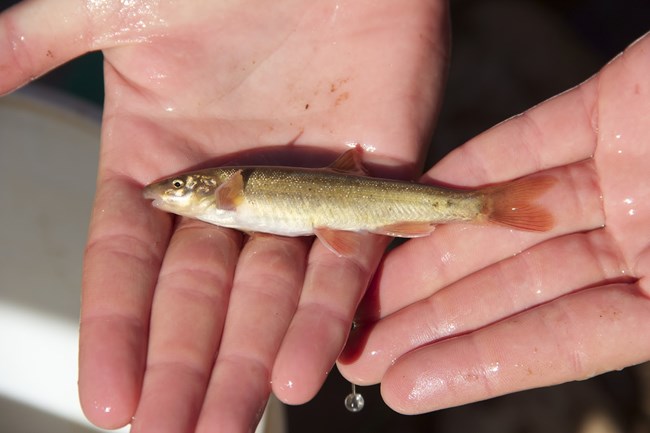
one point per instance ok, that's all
(39, 35)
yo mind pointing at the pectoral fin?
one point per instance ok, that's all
(231, 192)
(340, 242)
(350, 162)
(406, 229)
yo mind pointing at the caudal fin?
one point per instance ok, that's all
(513, 204)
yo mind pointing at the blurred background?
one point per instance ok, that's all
(507, 55)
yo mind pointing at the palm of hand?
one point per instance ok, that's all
(170, 332)
(528, 310)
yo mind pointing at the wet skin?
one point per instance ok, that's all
(186, 326)
(188, 329)
(527, 310)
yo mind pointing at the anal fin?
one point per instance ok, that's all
(409, 229)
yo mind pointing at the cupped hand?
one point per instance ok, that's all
(473, 312)
(184, 326)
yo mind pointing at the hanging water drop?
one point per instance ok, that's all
(354, 401)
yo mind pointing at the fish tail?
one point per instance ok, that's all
(512, 204)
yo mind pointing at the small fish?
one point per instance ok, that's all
(340, 202)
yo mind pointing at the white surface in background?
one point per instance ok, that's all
(39, 370)
(48, 159)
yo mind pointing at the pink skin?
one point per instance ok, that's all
(528, 310)
(183, 327)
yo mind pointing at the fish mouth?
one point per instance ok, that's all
(150, 193)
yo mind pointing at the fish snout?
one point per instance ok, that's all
(150, 192)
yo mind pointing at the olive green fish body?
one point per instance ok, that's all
(294, 202)
(336, 202)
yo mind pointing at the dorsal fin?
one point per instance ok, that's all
(350, 162)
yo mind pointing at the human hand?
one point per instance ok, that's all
(183, 327)
(472, 312)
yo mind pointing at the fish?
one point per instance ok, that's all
(340, 203)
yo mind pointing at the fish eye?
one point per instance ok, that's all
(178, 183)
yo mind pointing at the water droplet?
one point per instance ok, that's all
(354, 401)
(101, 408)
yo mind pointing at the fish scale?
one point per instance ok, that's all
(348, 202)
(339, 202)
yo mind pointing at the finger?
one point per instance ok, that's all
(332, 290)
(541, 274)
(188, 312)
(452, 251)
(265, 293)
(560, 131)
(623, 153)
(572, 338)
(125, 247)
(39, 35)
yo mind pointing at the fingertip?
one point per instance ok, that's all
(106, 404)
(356, 373)
(110, 375)
(394, 402)
(307, 354)
(407, 394)
(422, 382)
(362, 372)
(372, 348)
(413, 390)
(298, 372)
(292, 385)
(106, 411)
(37, 36)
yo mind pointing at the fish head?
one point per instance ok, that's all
(186, 194)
